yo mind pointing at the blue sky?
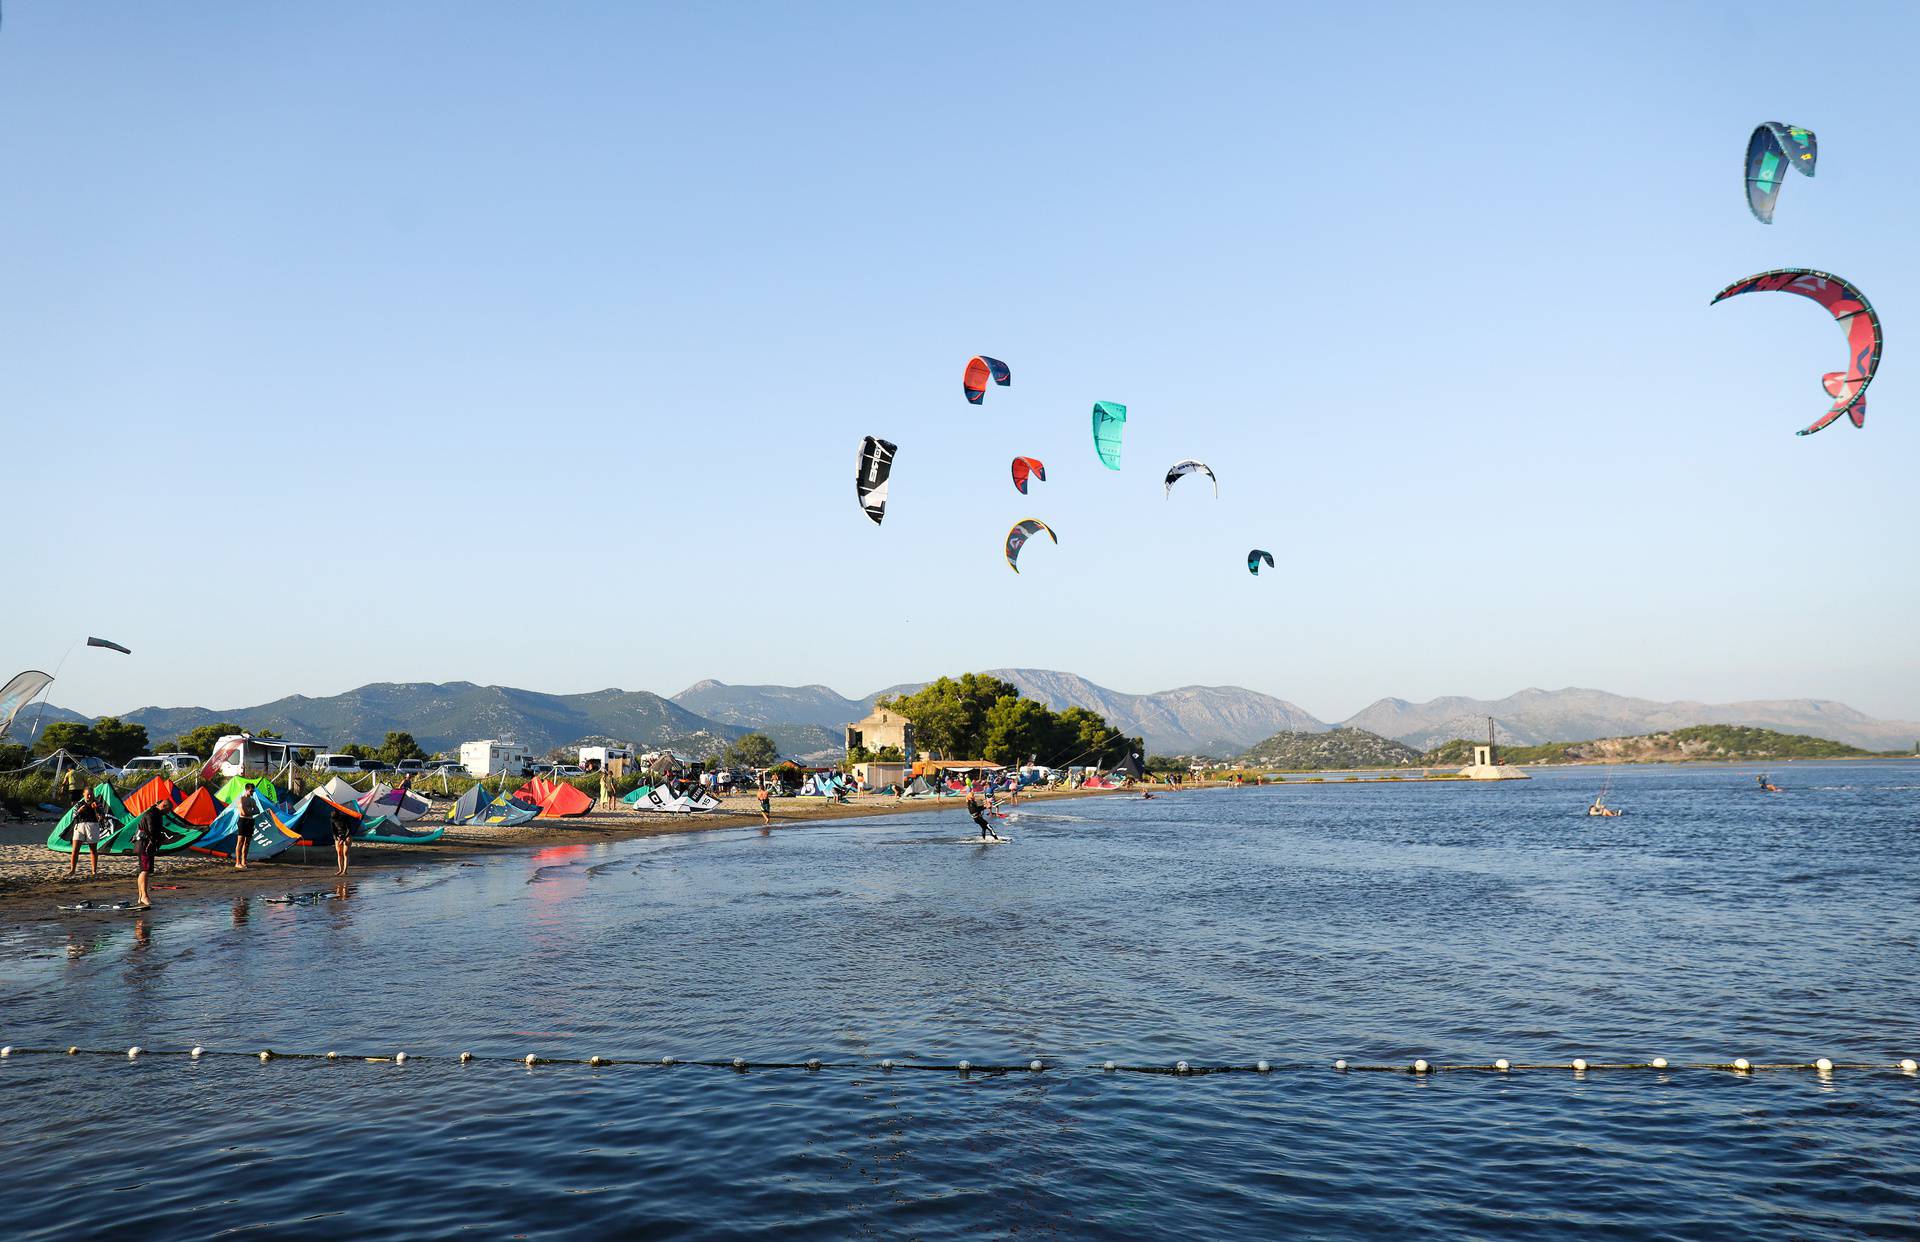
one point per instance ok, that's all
(533, 345)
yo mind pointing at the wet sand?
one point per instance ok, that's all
(32, 875)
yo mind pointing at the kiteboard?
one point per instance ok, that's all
(985, 840)
(113, 907)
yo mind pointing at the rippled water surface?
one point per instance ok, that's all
(1300, 924)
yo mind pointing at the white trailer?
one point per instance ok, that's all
(491, 758)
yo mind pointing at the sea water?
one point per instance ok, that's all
(1382, 923)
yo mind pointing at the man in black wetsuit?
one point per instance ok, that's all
(978, 810)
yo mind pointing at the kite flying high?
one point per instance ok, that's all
(1857, 319)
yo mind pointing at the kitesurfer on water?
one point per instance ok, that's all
(1766, 786)
(978, 810)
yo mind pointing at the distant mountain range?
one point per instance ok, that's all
(1534, 717)
(442, 715)
(806, 721)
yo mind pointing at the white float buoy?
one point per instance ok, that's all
(333, 1056)
(1109, 1067)
(1339, 1065)
(197, 1050)
(532, 1060)
(6, 1051)
(739, 1063)
(1419, 1067)
(1035, 1066)
(1579, 1065)
(1909, 1065)
(666, 1060)
(266, 1054)
(595, 1060)
(1659, 1063)
(133, 1053)
(465, 1057)
(1501, 1065)
(886, 1063)
(1740, 1063)
(1823, 1065)
(1180, 1067)
(1261, 1067)
(965, 1066)
(399, 1058)
(74, 1050)
(813, 1063)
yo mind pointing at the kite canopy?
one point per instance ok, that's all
(1109, 420)
(16, 694)
(1025, 468)
(110, 646)
(979, 369)
(1181, 469)
(876, 468)
(1018, 536)
(1255, 557)
(1770, 152)
(1857, 319)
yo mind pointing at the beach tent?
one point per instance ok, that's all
(340, 791)
(384, 801)
(200, 808)
(158, 789)
(556, 799)
(231, 790)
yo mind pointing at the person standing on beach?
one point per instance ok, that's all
(766, 804)
(147, 839)
(342, 839)
(87, 815)
(246, 810)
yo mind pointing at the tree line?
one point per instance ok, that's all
(975, 716)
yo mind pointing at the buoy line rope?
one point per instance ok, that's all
(1578, 1066)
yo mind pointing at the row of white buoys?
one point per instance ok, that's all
(1420, 1066)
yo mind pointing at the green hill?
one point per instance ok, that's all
(1334, 750)
(1697, 742)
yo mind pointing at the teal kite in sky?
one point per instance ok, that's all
(1109, 420)
(1770, 152)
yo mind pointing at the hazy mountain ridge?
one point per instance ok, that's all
(806, 721)
(442, 715)
(1534, 717)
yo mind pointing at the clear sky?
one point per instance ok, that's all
(533, 344)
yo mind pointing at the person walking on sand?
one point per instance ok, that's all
(246, 811)
(978, 810)
(147, 839)
(87, 816)
(342, 839)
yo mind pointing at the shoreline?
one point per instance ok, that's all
(30, 875)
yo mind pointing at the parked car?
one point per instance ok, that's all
(157, 764)
(93, 765)
(181, 760)
(335, 763)
(375, 765)
(410, 765)
(452, 767)
(569, 769)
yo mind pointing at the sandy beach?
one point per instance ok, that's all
(31, 873)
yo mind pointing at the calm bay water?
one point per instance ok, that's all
(1296, 924)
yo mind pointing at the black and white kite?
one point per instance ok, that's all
(1181, 469)
(876, 468)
